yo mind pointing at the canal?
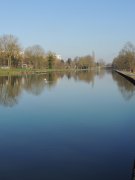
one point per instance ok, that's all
(67, 126)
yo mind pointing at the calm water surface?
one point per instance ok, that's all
(72, 126)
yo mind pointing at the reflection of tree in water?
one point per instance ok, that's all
(70, 74)
(34, 84)
(52, 78)
(10, 89)
(86, 76)
(126, 88)
(100, 72)
(12, 86)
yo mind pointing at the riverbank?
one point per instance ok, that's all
(128, 75)
(13, 72)
(5, 72)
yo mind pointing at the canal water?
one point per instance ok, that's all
(67, 126)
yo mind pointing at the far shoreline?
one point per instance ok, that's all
(18, 71)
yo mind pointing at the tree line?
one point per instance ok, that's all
(126, 58)
(13, 56)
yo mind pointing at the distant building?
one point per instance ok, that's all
(21, 53)
(58, 57)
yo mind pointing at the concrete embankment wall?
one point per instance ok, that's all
(128, 77)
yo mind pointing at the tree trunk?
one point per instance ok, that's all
(9, 61)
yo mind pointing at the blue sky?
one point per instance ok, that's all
(71, 27)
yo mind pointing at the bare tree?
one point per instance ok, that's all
(86, 62)
(126, 58)
(10, 48)
(35, 55)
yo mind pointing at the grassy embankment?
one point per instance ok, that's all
(4, 72)
(17, 71)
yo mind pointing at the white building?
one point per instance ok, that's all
(58, 57)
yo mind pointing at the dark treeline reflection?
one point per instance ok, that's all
(11, 87)
(126, 88)
(86, 76)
